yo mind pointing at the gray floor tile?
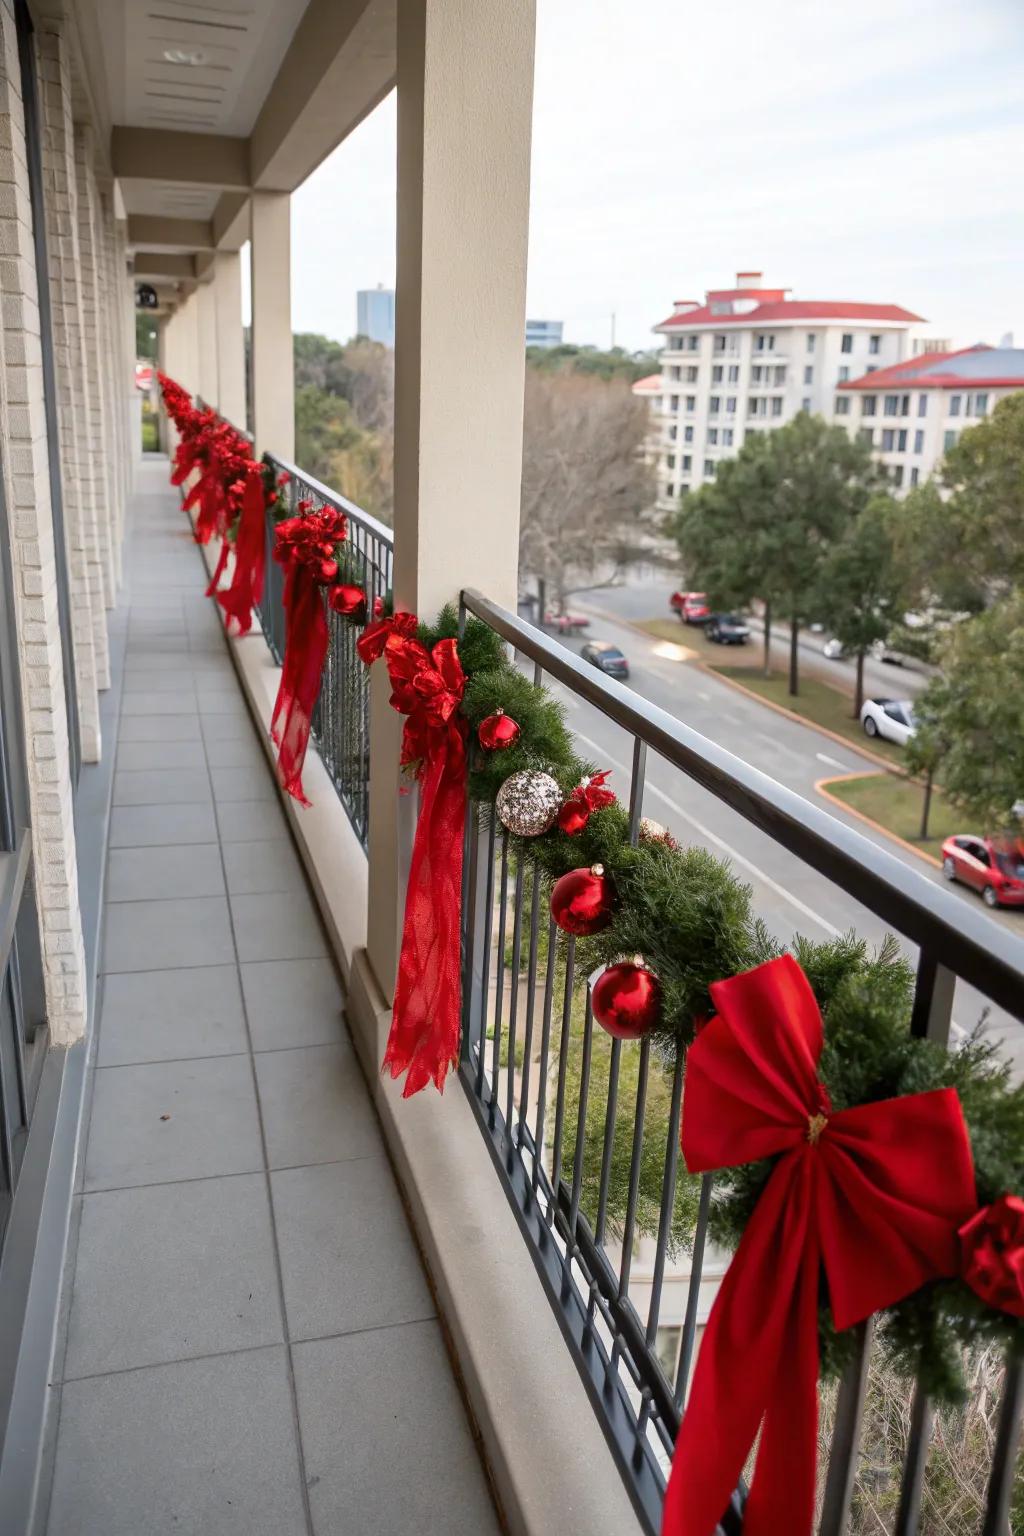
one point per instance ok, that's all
(344, 1427)
(196, 1277)
(156, 935)
(224, 706)
(150, 826)
(315, 1106)
(222, 727)
(161, 786)
(162, 658)
(277, 927)
(153, 680)
(181, 702)
(292, 1002)
(236, 752)
(159, 728)
(170, 1015)
(132, 755)
(259, 868)
(247, 821)
(347, 1256)
(252, 782)
(147, 874)
(201, 1448)
(211, 1127)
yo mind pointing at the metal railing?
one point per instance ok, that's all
(341, 720)
(567, 1113)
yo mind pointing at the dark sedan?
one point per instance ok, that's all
(726, 629)
(607, 657)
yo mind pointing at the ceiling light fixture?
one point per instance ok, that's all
(194, 56)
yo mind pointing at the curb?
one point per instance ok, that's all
(842, 778)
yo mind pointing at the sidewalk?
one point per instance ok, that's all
(252, 1348)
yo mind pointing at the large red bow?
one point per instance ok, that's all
(427, 687)
(246, 587)
(873, 1195)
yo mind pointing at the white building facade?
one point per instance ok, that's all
(748, 360)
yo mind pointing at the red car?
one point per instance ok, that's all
(566, 623)
(692, 607)
(992, 865)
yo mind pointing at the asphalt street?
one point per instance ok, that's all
(789, 896)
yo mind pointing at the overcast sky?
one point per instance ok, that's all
(867, 151)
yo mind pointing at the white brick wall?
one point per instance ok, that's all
(97, 396)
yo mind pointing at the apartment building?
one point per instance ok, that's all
(749, 359)
(914, 412)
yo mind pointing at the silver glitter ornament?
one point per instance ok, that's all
(528, 802)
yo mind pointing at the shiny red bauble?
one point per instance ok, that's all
(582, 901)
(350, 602)
(626, 1000)
(328, 570)
(498, 731)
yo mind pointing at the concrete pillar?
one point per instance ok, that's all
(206, 321)
(463, 219)
(97, 400)
(273, 382)
(23, 452)
(227, 292)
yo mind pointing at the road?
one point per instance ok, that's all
(787, 894)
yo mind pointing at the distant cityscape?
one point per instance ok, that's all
(750, 358)
(375, 318)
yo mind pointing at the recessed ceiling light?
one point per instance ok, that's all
(184, 56)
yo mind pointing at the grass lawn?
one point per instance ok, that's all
(816, 703)
(896, 804)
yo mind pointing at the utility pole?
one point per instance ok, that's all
(613, 330)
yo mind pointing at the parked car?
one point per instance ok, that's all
(692, 607)
(891, 718)
(606, 657)
(727, 629)
(881, 650)
(992, 865)
(566, 623)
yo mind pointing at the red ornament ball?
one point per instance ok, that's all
(328, 570)
(350, 602)
(626, 1000)
(498, 731)
(581, 901)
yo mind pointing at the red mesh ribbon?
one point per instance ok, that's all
(305, 649)
(246, 587)
(427, 687)
(219, 568)
(874, 1195)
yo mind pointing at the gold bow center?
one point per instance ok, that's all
(815, 1125)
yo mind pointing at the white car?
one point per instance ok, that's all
(891, 718)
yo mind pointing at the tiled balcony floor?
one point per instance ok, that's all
(251, 1345)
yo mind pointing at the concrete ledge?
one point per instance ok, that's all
(550, 1465)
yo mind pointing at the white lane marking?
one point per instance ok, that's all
(706, 697)
(823, 757)
(712, 837)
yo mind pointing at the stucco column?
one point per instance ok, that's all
(206, 321)
(465, 96)
(273, 383)
(227, 294)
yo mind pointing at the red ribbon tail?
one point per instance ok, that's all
(305, 649)
(427, 1016)
(222, 560)
(246, 587)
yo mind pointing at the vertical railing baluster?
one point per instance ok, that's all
(1004, 1459)
(499, 991)
(531, 990)
(563, 1062)
(513, 1005)
(609, 1139)
(844, 1451)
(914, 1465)
(668, 1199)
(580, 1145)
(544, 1063)
(693, 1290)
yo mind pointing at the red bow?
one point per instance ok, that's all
(246, 587)
(585, 799)
(874, 1195)
(374, 637)
(992, 1252)
(427, 687)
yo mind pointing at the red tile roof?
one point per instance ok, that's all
(651, 385)
(773, 311)
(977, 367)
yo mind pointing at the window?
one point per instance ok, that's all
(915, 475)
(808, 375)
(734, 373)
(899, 474)
(954, 406)
(693, 343)
(763, 343)
(980, 405)
(727, 437)
(670, 461)
(684, 490)
(716, 374)
(691, 403)
(874, 345)
(810, 342)
(730, 405)
(866, 436)
(675, 343)
(870, 405)
(901, 441)
(805, 404)
(847, 342)
(842, 405)
(687, 463)
(754, 407)
(715, 404)
(844, 374)
(755, 373)
(888, 440)
(673, 433)
(776, 405)
(687, 434)
(720, 343)
(780, 374)
(919, 441)
(892, 405)
(692, 375)
(709, 468)
(670, 490)
(673, 402)
(713, 437)
(922, 405)
(948, 439)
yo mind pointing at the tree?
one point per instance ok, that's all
(861, 586)
(776, 515)
(614, 364)
(969, 719)
(584, 478)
